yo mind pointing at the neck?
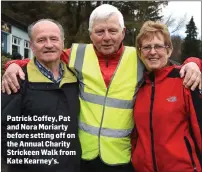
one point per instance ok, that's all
(52, 66)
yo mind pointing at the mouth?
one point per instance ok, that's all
(153, 59)
(48, 52)
(106, 46)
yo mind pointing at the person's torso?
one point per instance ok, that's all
(52, 110)
(106, 112)
(164, 140)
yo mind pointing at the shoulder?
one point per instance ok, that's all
(130, 48)
(174, 72)
(23, 82)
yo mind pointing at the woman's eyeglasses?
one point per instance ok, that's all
(157, 48)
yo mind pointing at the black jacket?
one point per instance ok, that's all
(40, 99)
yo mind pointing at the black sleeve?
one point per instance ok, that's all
(197, 102)
(10, 105)
(196, 121)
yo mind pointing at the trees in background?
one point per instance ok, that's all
(177, 43)
(74, 15)
(187, 47)
(191, 46)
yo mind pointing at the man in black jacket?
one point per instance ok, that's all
(40, 122)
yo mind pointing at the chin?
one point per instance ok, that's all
(107, 52)
(152, 67)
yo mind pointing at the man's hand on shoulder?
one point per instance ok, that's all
(192, 75)
(9, 79)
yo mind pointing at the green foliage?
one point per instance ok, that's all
(136, 13)
(8, 55)
(191, 30)
(191, 46)
(4, 60)
(74, 15)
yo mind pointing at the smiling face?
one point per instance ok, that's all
(107, 35)
(46, 42)
(154, 52)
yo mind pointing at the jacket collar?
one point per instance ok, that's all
(158, 75)
(34, 75)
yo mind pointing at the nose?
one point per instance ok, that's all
(48, 44)
(152, 51)
(106, 36)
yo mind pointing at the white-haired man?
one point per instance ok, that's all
(108, 73)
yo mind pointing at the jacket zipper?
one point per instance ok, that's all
(188, 145)
(151, 128)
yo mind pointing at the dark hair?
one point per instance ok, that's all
(16, 55)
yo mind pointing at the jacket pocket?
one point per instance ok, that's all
(189, 149)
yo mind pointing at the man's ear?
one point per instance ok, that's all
(63, 45)
(124, 32)
(31, 46)
(90, 36)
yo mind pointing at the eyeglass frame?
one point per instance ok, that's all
(155, 48)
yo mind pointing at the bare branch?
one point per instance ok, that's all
(180, 23)
(170, 20)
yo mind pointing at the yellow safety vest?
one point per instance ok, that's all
(106, 117)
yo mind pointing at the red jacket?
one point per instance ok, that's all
(168, 120)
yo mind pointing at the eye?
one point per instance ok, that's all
(147, 48)
(40, 40)
(54, 39)
(99, 32)
(159, 47)
(113, 31)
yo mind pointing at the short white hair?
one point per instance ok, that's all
(103, 12)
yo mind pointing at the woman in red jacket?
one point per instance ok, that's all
(168, 116)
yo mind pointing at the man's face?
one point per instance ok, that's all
(46, 42)
(107, 35)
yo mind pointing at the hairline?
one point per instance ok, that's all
(30, 27)
(96, 15)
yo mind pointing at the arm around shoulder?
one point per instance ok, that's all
(21, 63)
(195, 60)
(65, 55)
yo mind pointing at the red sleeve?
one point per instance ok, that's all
(65, 55)
(21, 63)
(195, 60)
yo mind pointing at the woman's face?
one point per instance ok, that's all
(154, 53)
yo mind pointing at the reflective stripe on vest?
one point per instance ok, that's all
(104, 131)
(106, 117)
(117, 103)
(111, 102)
